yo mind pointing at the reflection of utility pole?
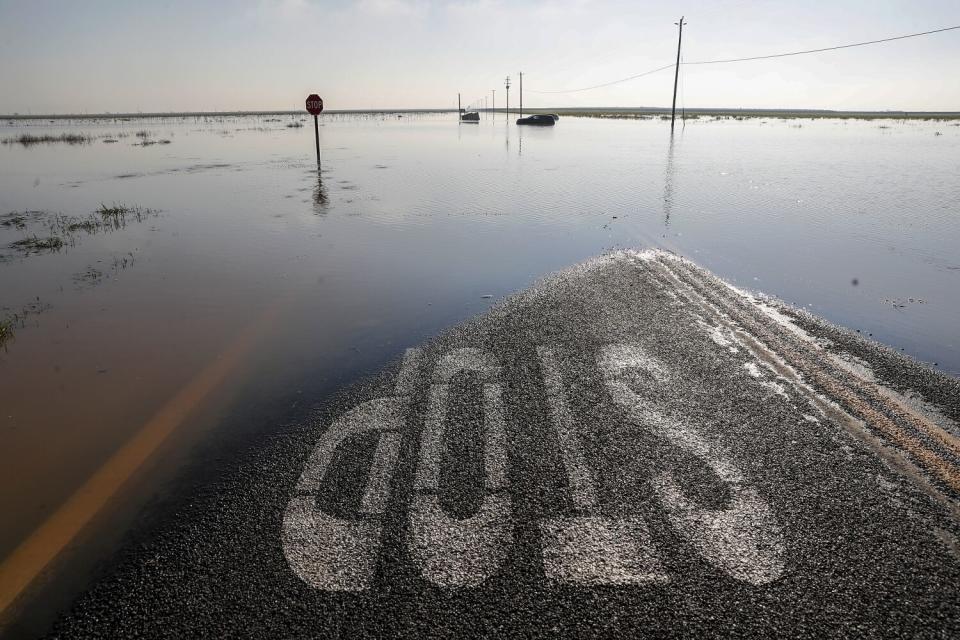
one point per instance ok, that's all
(668, 186)
(507, 84)
(521, 94)
(676, 74)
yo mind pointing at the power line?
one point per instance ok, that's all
(775, 55)
(606, 84)
(842, 46)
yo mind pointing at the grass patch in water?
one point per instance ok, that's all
(748, 114)
(6, 332)
(14, 220)
(28, 139)
(88, 225)
(115, 210)
(34, 243)
(115, 216)
(47, 231)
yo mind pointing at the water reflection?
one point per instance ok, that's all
(320, 198)
(668, 184)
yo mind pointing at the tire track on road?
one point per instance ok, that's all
(933, 450)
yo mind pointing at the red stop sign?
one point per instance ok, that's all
(314, 104)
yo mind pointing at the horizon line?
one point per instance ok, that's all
(688, 110)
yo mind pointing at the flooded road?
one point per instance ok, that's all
(212, 276)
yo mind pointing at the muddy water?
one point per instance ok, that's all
(242, 253)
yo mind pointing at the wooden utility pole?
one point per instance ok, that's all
(459, 110)
(676, 75)
(507, 85)
(493, 100)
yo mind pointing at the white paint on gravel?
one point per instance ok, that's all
(337, 554)
(587, 548)
(582, 488)
(744, 539)
(333, 553)
(453, 552)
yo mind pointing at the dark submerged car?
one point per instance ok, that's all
(539, 119)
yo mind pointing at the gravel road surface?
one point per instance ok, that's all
(630, 448)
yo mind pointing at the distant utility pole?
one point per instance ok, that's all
(676, 75)
(493, 100)
(521, 94)
(507, 85)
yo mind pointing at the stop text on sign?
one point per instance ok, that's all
(743, 540)
(314, 104)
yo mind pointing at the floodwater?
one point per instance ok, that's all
(232, 278)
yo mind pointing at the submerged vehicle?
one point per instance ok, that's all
(539, 119)
(469, 116)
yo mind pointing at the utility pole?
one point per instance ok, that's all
(493, 101)
(459, 110)
(521, 94)
(676, 75)
(507, 84)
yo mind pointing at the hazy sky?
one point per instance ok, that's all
(95, 56)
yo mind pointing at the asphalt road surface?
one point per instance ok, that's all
(629, 448)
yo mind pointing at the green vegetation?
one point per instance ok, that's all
(46, 232)
(88, 277)
(14, 220)
(6, 332)
(119, 212)
(113, 211)
(11, 321)
(744, 114)
(89, 225)
(34, 243)
(53, 231)
(28, 140)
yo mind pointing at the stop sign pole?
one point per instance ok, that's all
(314, 107)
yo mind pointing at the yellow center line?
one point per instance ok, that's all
(46, 542)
